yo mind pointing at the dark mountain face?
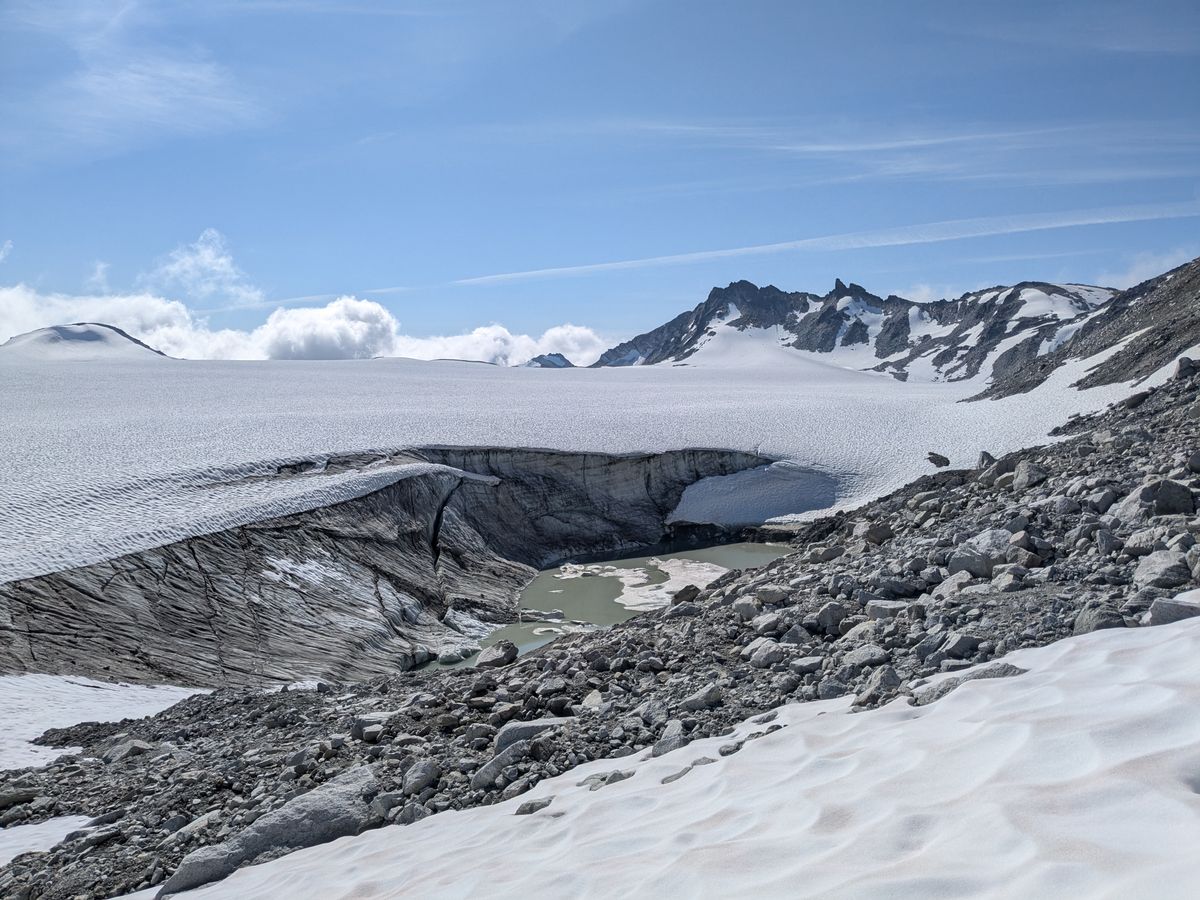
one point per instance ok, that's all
(680, 338)
(947, 339)
(550, 361)
(1146, 327)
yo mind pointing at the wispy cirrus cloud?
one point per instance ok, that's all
(127, 84)
(1147, 265)
(928, 233)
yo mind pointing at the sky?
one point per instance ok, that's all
(304, 178)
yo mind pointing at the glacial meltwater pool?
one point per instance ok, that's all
(579, 596)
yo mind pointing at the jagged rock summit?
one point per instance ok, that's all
(550, 361)
(81, 341)
(943, 340)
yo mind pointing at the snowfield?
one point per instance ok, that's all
(1079, 778)
(108, 456)
(30, 704)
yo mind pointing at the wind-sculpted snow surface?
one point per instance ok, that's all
(1076, 778)
(107, 458)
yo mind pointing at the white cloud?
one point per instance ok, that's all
(497, 344)
(5, 249)
(98, 280)
(205, 272)
(924, 292)
(1147, 265)
(346, 328)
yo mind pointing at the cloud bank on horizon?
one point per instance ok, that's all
(169, 305)
(345, 328)
(204, 273)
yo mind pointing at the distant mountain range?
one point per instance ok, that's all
(1010, 338)
(939, 340)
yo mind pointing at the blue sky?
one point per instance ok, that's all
(236, 157)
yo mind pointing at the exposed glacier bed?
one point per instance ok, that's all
(105, 457)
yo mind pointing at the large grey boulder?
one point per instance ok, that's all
(523, 731)
(936, 691)
(126, 749)
(1096, 616)
(672, 738)
(866, 655)
(873, 532)
(421, 775)
(499, 654)
(1159, 497)
(705, 698)
(879, 684)
(960, 644)
(335, 809)
(486, 775)
(971, 561)
(981, 554)
(1028, 475)
(1164, 610)
(1163, 569)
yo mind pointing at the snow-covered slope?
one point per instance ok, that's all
(83, 341)
(1148, 324)
(103, 460)
(30, 704)
(1077, 778)
(945, 340)
(849, 391)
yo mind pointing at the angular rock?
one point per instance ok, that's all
(960, 645)
(866, 655)
(705, 698)
(672, 738)
(529, 807)
(499, 654)
(332, 810)
(1164, 610)
(1163, 569)
(525, 730)
(421, 775)
(485, 776)
(1097, 616)
(1027, 475)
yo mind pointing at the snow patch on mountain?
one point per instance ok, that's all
(81, 342)
(943, 340)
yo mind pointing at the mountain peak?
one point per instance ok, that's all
(80, 341)
(550, 361)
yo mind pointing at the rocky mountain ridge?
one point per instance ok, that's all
(938, 340)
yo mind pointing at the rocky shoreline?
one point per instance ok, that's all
(1098, 530)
